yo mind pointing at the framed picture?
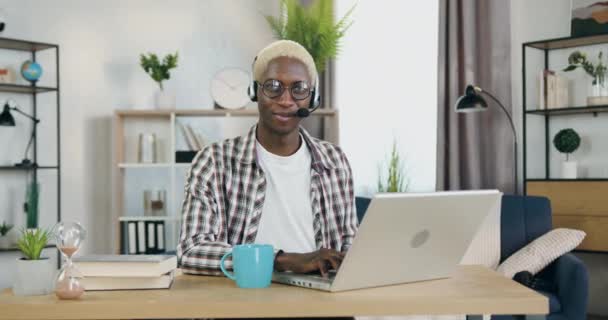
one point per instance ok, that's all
(7, 75)
(589, 17)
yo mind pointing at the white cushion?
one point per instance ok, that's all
(539, 253)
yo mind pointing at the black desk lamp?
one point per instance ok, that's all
(472, 101)
(6, 119)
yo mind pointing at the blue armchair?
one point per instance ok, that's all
(523, 219)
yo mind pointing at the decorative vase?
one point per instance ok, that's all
(569, 170)
(165, 100)
(598, 91)
(34, 277)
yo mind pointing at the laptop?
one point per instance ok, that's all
(406, 237)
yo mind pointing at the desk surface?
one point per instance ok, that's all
(473, 290)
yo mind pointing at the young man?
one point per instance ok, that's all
(276, 185)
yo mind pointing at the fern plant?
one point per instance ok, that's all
(313, 27)
(157, 70)
(396, 179)
(32, 241)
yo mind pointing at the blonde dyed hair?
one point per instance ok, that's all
(283, 48)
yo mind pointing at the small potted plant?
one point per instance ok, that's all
(598, 92)
(567, 141)
(35, 274)
(311, 26)
(159, 71)
(5, 242)
(395, 179)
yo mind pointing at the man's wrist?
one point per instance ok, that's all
(280, 261)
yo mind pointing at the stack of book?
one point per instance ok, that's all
(126, 272)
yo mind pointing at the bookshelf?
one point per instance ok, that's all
(127, 124)
(576, 203)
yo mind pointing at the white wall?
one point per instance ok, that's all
(386, 88)
(100, 43)
(527, 25)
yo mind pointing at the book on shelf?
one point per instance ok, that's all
(113, 265)
(128, 283)
(553, 90)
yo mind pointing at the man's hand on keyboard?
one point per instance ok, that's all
(322, 260)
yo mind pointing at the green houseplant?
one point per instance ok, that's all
(159, 71)
(35, 274)
(567, 141)
(395, 180)
(311, 26)
(4, 230)
(598, 93)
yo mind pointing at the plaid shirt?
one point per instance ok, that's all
(224, 196)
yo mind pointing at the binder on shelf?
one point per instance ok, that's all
(143, 237)
(132, 237)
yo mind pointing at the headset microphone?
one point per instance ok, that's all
(304, 112)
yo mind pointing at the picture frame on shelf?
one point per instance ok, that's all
(588, 17)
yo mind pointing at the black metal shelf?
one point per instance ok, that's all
(32, 48)
(567, 42)
(16, 168)
(18, 88)
(24, 45)
(569, 110)
(567, 180)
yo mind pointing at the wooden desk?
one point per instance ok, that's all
(473, 290)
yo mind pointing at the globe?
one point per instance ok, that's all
(31, 71)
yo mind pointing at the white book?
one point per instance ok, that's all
(189, 138)
(112, 265)
(200, 142)
(128, 283)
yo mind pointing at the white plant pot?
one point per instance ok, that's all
(34, 277)
(5, 241)
(165, 100)
(569, 170)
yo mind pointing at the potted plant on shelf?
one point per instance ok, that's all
(5, 242)
(35, 274)
(395, 180)
(598, 92)
(159, 71)
(567, 141)
(313, 27)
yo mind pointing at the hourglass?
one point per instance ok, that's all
(69, 239)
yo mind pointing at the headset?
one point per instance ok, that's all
(315, 101)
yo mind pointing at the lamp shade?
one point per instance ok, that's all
(471, 101)
(6, 118)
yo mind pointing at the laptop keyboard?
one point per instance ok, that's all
(330, 275)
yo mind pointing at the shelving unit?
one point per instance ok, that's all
(162, 123)
(33, 48)
(576, 203)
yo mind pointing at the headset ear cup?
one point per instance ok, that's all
(315, 101)
(253, 91)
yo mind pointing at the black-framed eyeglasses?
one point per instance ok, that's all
(299, 90)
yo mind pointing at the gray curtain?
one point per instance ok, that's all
(474, 150)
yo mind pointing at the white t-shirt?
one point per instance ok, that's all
(287, 221)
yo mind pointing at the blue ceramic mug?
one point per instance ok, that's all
(252, 265)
